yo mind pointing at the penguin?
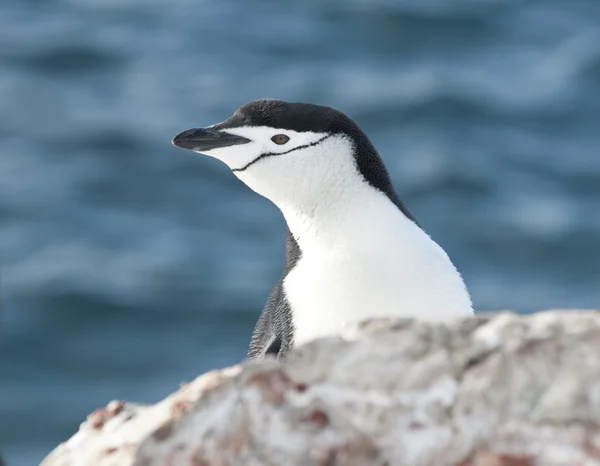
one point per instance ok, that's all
(353, 249)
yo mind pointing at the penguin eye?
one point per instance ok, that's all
(280, 139)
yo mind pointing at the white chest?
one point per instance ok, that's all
(376, 268)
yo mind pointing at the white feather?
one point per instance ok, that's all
(362, 259)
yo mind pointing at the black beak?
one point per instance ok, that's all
(203, 139)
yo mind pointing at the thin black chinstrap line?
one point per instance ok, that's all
(270, 154)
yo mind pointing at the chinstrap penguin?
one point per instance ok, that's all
(353, 249)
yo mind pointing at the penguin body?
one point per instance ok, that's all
(353, 250)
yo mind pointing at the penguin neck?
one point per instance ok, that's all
(349, 218)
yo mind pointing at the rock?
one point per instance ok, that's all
(494, 390)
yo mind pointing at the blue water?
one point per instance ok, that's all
(129, 266)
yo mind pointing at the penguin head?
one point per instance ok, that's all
(289, 151)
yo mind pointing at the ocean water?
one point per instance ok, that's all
(128, 266)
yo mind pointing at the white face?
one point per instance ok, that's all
(238, 157)
(303, 167)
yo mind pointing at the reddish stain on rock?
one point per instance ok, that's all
(180, 407)
(272, 385)
(98, 418)
(198, 459)
(486, 457)
(361, 450)
(591, 448)
(115, 408)
(515, 460)
(301, 387)
(317, 417)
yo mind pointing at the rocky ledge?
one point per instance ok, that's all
(494, 390)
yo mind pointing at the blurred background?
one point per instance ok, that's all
(128, 266)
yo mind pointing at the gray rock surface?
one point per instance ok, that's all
(494, 390)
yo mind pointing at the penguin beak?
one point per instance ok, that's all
(206, 139)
